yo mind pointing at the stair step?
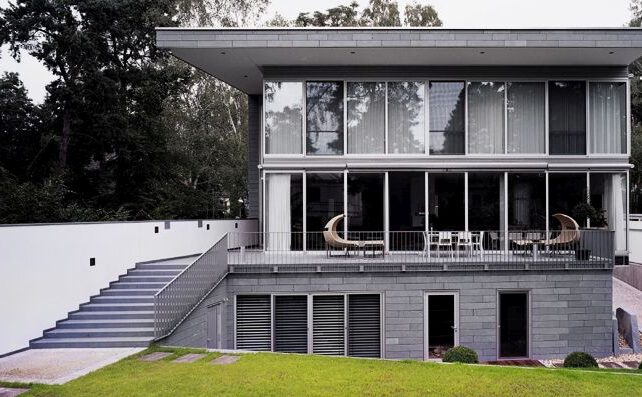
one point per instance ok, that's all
(54, 343)
(146, 279)
(118, 307)
(153, 273)
(109, 315)
(129, 292)
(137, 285)
(160, 266)
(99, 333)
(109, 323)
(122, 299)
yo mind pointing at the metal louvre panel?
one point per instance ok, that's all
(291, 324)
(364, 325)
(253, 326)
(328, 324)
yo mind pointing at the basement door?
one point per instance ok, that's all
(513, 324)
(441, 323)
(214, 326)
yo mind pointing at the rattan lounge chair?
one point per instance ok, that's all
(567, 237)
(333, 240)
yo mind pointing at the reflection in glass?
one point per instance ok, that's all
(407, 212)
(527, 201)
(283, 117)
(566, 192)
(526, 117)
(607, 117)
(365, 203)
(406, 117)
(324, 116)
(366, 117)
(284, 211)
(447, 117)
(485, 117)
(567, 117)
(608, 196)
(446, 210)
(324, 196)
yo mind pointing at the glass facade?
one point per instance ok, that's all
(526, 115)
(283, 117)
(447, 117)
(366, 117)
(567, 117)
(406, 117)
(324, 118)
(486, 117)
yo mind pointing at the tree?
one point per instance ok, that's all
(381, 13)
(635, 70)
(421, 15)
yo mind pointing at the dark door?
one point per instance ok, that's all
(513, 324)
(442, 327)
(214, 327)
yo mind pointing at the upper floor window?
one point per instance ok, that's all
(406, 117)
(486, 117)
(567, 117)
(283, 117)
(324, 118)
(608, 123)
(526, 114)
(366, 117)
(447, 117)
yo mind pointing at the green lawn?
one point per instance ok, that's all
(299, 375)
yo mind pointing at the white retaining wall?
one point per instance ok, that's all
(635, 239)
(45, 272)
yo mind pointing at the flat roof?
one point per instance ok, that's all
(238, 56)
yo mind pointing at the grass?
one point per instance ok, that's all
(268, 374)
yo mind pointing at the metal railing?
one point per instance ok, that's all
(593, 248)
(174, 302)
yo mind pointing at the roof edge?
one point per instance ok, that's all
(397, 28)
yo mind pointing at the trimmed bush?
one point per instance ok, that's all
(461, 354)
(579, 360)
(640, 366)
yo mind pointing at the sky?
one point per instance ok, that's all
(453, 13)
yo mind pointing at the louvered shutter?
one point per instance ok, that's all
(291, 324)
(253, 326)
(328, 324)
(364, 325)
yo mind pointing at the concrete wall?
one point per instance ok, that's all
(253, 154)
(45, 272)
(635, 240)
(630, 274)
(569, 310)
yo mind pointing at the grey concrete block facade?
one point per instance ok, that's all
(569, 311)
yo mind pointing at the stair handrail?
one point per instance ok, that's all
(177, 299)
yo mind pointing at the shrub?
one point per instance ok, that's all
(579, 360)
(640, 366)
(461, 354)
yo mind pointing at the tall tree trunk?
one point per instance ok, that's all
(64, 140)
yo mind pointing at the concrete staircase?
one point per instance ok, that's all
(122, 315)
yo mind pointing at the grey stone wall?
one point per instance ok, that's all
(569, 310)
(253, 154)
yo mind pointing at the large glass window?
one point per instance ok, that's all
(284, 216)
(527, 201)
(406, 117)
(324, 196)
(365, 204)
(485, 201)
(526, 109)
(446, 204)
(324, 118)
(567, 117)
(608, 196)
(283, 117)
(366, 117)
(607, 114)
(486, 117)
(447, 117)
(407, 213)
(565, 194)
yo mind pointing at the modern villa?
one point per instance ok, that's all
(416, 189)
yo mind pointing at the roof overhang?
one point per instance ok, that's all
(239, 56)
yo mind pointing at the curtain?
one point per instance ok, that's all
(447, 117)
(526, 118)
(283, 117)
(366, 117)
(607, 117)
(406, 117)
(567, 117)
(615, 203)
(279, 212)
(485, 117)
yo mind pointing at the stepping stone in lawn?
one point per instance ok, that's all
(189, 358)
(630, 364)
(224, 360)
(154, 356)
(11, 392)
(608, 364)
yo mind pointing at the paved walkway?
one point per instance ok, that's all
(628, 298)
(57, 366)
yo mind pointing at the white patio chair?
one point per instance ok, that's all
(478, 242)
(445, 240)
(465, 241)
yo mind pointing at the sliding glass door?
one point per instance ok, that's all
(284, 215)
(526, 201)
(567, 195)
(324, 196)
(446, 202)
(366, 205)
(407, 213)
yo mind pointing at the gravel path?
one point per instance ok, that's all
(628, 298)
